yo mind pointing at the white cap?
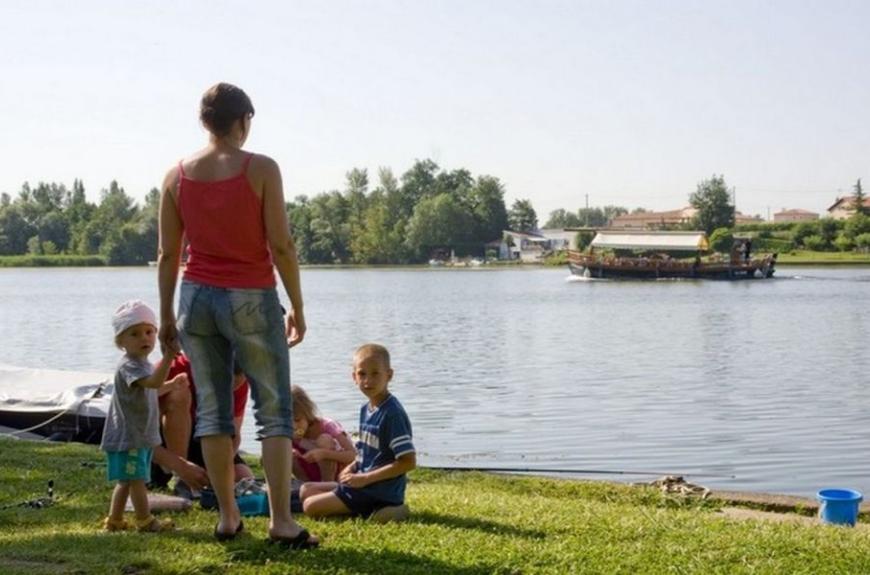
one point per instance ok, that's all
(132, 313)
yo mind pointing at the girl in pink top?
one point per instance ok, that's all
(321, 448)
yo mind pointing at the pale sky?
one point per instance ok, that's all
(632, 103)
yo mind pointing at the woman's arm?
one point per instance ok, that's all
(282, 247)
(168, 259)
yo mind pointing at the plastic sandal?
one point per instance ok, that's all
(112, 525)
(153, 525)
(228, 536)
(301, 541)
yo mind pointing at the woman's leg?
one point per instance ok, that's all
(217, 450)
(261, 351)
(203, 325)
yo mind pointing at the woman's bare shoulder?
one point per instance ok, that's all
(263, 164)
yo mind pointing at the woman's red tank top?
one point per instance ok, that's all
(226, 235)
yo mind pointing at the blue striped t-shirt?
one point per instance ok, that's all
(385, 435)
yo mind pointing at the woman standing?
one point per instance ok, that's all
(229, 204)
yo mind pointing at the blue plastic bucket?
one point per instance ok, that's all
(839, 506)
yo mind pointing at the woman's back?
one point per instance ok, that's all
(222, 215)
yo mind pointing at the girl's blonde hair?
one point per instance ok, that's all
(302, 404)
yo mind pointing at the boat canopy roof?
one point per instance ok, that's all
(669, 241)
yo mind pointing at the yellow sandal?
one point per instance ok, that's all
(153, 525)
(112, 525)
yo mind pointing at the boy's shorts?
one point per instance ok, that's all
(129, 465)
(359, 501)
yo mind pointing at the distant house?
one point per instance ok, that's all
(668, 220)
(794, 216)
(526, 247)
(844, 207)
(654, 220)
(560, 239)
(744, 219)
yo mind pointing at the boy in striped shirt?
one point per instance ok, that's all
(374, 484)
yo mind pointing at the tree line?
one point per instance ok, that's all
(426, 211)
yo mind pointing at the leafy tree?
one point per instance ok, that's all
(438, 222)
(844, 243)
(583, 239)
(418, 183)
(828, 230)
(862, 242)
(815, 243)
(860, 208)
(802, 231)
(15, 230)
(562, 219)
(856, 225)
(721, 240)
(522, 216)
(488, 209)
(713, 203)
(299, 219)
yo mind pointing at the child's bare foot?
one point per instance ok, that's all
(391, 513)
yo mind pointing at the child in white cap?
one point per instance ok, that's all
(132, 423)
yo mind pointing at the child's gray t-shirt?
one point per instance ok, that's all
(133, 419)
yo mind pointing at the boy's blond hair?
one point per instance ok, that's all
(303, 405)
(372, 350)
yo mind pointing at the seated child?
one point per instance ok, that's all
(178, 411)
(374, 485)
(321, 448)
(132, 424)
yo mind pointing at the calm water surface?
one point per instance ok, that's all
(766, 381)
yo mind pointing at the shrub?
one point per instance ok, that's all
(815, 243)
(802, 231)
(863, 242)
(857, 225)
(844, 244)
(773, 245)
(721, 240)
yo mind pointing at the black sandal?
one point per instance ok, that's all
(220, 536)
(301, 541)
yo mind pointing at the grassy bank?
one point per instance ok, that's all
(31, 261)
(823, 258)
(462, 523)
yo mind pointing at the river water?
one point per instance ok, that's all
(765, 381)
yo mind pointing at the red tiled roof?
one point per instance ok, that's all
(849, 202)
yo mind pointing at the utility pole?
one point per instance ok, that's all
(587, 210)
(768, 213)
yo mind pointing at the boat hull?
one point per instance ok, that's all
(65, 427)
(636, 268)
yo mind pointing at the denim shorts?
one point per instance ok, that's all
(129, 465)
(217, 325)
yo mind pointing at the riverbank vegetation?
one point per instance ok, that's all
(461, 523)
(427, 212)
(398, 220)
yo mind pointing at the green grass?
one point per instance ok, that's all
(804, 257)
(33, 261)
(462, 523)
